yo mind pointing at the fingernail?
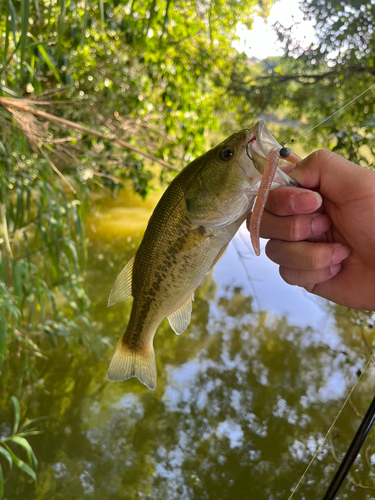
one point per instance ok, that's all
(339, 254)
(320, 224)
(306, 202)
(335, 269)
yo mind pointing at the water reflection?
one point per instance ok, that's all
(244, 396)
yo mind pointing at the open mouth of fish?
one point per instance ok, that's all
(259, 148)
(268, 155)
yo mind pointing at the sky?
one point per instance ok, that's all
(261, 41)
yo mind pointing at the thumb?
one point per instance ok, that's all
(334, 177)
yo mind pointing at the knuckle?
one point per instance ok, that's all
(296, 229)
(273, 201)
(323, 155)
(319, 257)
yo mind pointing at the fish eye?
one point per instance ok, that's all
(227, 153)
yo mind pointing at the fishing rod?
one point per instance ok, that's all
(352, 452)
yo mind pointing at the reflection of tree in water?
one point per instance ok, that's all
(241, 403)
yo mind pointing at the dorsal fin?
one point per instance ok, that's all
(180, 319)
(122, 289)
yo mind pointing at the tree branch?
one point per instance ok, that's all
(23, 105)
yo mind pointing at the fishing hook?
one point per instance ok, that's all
(247, 152)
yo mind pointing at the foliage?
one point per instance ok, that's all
(306, 86)
(152, 73)
(43, 254)
(11, 446)
(148, 78)
(116, 82)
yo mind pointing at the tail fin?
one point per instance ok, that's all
(127, 363)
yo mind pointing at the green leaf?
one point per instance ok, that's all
(17, 282)
(17, 413)
(13, 18)
(19, 212)
(5, 217)
(22, 465)
(60, 33)
(48, 61)
(31, 421)
(101, 6)
(5, 453)
(3, 338)
(25, 7)
(1, 483)
(21, 441)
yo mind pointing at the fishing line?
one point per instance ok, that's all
(320, 447)
(338, 111)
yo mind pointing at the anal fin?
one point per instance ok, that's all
(127, 363)
(122, 289)
(180, 319)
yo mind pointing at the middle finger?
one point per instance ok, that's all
(295, 227)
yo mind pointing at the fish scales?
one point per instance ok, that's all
(187, 234)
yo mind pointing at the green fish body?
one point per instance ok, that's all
(187, 234)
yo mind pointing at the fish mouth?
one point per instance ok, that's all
(259, 146)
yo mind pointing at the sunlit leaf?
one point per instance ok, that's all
(21, 441)
(48, 61)
(13, 18)
(22, 465)
(17, 413)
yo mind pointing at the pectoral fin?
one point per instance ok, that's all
(180, 319)
(218, 257)
(122, 289)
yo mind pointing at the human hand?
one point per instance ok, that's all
(324, 240)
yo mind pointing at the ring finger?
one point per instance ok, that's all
(306, 278)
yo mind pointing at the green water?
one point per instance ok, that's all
(244, 396)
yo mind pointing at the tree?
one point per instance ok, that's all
(311, 85)
(97, 88)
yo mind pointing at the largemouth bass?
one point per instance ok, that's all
(187, 234)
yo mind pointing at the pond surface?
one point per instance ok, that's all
(244, 396)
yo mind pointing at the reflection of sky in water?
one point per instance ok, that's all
(278, 299)
(243, 400)
(272, 293)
